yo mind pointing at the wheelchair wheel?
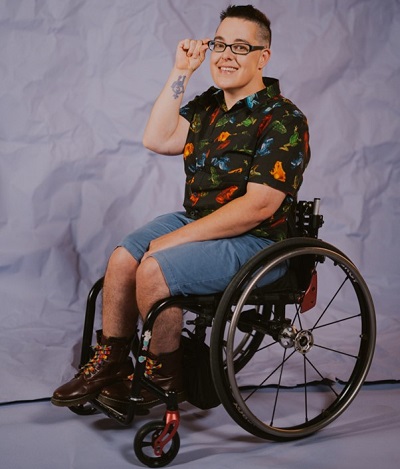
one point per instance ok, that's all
(145, 440)
(245, 348)
(249, 341)
(314, 354)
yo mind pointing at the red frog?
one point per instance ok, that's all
(226, 194)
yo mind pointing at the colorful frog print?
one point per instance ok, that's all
(278, 171)
(261, 139)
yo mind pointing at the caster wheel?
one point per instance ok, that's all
(144, 445)
(83, 409)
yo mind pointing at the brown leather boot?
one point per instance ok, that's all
(111, 363)
(164, 370)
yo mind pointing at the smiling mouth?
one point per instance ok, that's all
(227, 69)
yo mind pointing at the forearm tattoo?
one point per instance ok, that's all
(177, 86)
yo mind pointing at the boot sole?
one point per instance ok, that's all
(72, 402)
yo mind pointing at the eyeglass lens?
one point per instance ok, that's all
(237, 48)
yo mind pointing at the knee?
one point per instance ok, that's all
(151, 285)
(149, 273)
(122, 261)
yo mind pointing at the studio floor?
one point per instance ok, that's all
(37, 435)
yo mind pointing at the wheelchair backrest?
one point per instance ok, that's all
(305, 222)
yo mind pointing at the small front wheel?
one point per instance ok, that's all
(145, 445)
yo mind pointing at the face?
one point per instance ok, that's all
(238, 75)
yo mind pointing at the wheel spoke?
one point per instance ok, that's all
(337, 351)
(337, 322)
(330, 302)
(305, 389)
(278, 389)
(324, 380)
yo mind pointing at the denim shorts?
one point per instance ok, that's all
(202, 267)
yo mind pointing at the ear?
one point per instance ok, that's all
(264, 58)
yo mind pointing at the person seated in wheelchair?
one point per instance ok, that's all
(245, 148)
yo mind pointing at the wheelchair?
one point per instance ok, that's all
(287, 357)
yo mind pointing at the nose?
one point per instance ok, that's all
(228, 53)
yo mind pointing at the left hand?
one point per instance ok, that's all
(166, 241)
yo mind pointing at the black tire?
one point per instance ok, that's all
(144, 445)
(308, 370)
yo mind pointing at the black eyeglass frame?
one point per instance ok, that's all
(212, 43)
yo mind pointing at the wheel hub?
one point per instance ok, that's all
(290, 337)
(287, 336)
(303, 341)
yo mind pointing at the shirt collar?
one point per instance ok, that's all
(271, 90)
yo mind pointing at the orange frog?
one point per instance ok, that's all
(278, 172)
(189, 148)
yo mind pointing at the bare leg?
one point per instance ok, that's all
(129, 287)
(151, 287)
(119, 322)
(120, 310)
(165, 367)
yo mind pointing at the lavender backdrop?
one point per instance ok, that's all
(77, 82)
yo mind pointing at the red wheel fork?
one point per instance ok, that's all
(172, 420)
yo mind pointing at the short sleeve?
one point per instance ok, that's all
(197, 104)
(282, 152)
(189, 110)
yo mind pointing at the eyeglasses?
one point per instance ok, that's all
(239, 48)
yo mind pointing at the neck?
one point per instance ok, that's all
(232, 96)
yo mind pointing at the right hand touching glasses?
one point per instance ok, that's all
(191, 53)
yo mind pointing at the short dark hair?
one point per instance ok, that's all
(249, 13)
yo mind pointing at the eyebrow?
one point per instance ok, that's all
(220, 38)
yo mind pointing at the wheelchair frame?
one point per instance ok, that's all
(251, 319)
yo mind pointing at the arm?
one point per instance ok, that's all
(166, 130)
(233, 219)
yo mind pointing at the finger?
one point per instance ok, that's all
(184, 45)
(193, 50)
(204, 47)
(205, 42)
